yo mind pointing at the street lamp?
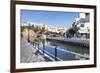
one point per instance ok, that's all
(28, 32)
(44, 38)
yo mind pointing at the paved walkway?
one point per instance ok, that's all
(28, 53)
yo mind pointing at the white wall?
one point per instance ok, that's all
(5, 36)
(82, 15)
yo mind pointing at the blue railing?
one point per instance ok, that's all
(54, 53)
(41, 49)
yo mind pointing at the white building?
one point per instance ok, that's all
(53, 29)
(46, 26)
(83, 22)
(56, 29)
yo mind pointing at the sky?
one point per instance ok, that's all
(53, 18)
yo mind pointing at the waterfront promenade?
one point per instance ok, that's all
(28, 53)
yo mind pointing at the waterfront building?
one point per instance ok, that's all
(83, 22)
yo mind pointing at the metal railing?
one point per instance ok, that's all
(49, 55)
(45, 53)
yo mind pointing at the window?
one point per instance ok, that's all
(82, 25)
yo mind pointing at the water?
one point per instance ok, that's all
(65, 51)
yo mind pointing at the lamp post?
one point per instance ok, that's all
(28, 33)
(43, 37)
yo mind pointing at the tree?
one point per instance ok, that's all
(43, 29)
(71, 31)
